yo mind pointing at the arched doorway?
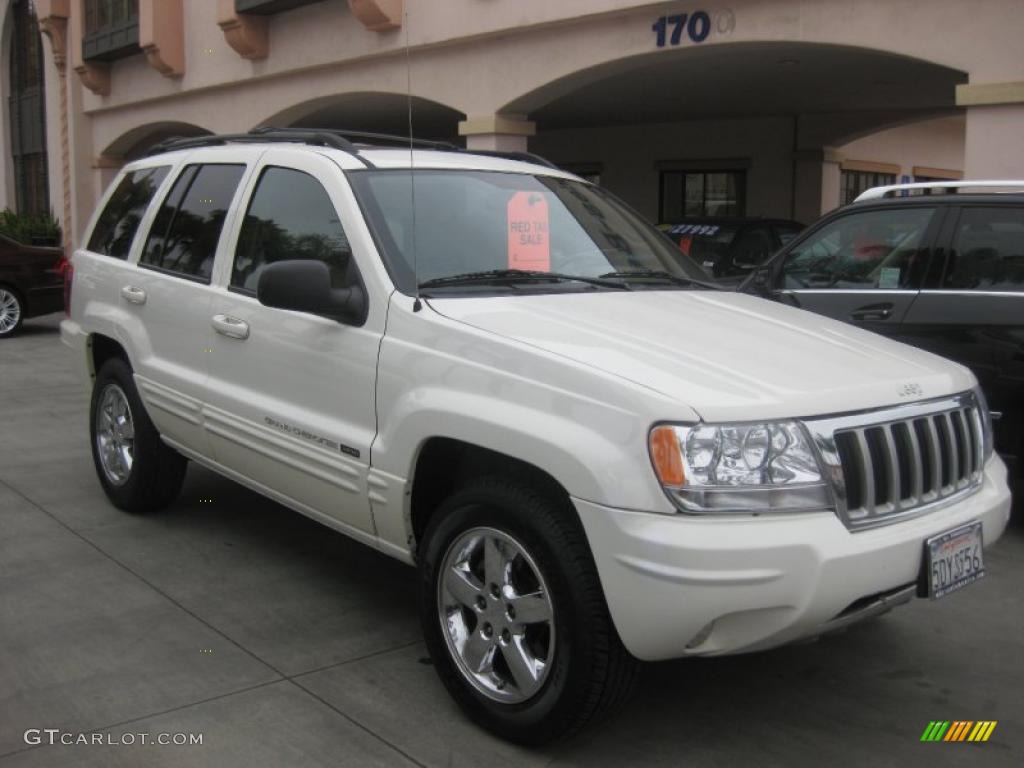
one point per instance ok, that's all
(742, 128)
(136, 142)
(28, 112)
(372, 111)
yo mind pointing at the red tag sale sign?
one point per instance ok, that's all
(528, 243)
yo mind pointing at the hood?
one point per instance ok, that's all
(728, 356)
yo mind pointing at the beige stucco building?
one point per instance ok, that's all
(758, 107)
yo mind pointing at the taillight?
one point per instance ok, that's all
(69, 275)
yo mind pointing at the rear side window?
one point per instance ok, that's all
(183, 238)
(290, 217)
(116, 226)
(988, 251)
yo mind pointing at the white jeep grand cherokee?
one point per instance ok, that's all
(497, 372)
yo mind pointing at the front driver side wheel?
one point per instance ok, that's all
(138, 472)
(514, 615)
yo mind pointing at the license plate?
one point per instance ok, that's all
(953, 560)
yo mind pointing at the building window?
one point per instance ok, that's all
(268, 7)
(111, 29)
(28, 113)
(852, 183)
(687, 194)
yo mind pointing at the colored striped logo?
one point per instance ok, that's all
(958, 730)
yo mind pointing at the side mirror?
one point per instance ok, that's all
(304, 285)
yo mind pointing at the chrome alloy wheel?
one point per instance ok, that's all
(496, 615)
(115, 435)
(10, 311)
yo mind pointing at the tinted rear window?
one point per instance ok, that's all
(115, 229)
(185, 233)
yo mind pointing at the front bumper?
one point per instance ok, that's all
(679, 585)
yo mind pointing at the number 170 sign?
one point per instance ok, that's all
(695, 27)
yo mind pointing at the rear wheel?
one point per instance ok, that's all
(136, 469)
(514, 615)
(12, 312)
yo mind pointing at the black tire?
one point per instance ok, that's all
(591, 672)
(157, 471)
(11, 301)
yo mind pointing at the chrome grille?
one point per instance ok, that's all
(887, 465)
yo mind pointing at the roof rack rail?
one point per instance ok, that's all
(336, 138)
(526, 157)
(322, 138)
(361, 136)
(950, 187)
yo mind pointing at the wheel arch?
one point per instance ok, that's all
(443, 464)
(101, 348)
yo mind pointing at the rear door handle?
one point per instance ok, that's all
(134, 295)
(229, 326)
(873, 312)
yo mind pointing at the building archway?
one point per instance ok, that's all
(137, 141)
(373, 111)
(767, 115)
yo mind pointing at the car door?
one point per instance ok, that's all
(973, 310)
(291, 407)
(863, 266)
(169, 294)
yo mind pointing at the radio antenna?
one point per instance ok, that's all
(417, 305)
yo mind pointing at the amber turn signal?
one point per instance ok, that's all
(667, 458)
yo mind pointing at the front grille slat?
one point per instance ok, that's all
(867, 474)
(897, 466)
(917, 460)
(954, 454)
(934, 457)
(893, 495)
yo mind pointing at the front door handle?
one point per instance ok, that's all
(872, 312)
(229, 326)
(134, 295)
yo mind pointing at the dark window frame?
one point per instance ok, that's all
(353, 264)
(741, 192)
(111, 30)
(930, 239)
(955, 220)
(269, 7)
(150, 169)
(27, 118)
(195, 169)
(849, 192)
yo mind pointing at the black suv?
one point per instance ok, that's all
(931, 265)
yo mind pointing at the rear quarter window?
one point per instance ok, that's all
(116, 226)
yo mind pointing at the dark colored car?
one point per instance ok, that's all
(944, 272)
(731, 247)
(31, 283)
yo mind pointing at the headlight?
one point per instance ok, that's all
(739, 468)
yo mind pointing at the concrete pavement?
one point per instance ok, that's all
(284, 643)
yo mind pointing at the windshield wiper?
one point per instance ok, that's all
(658, 274)
(509, 276)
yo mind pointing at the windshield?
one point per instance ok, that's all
(476, 221)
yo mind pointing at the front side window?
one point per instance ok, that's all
(290, 217)
(473, 221)
(988, 251)
(686, 194)
(852, 183)
(116, 226)
(879, 249)
(184, 236)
